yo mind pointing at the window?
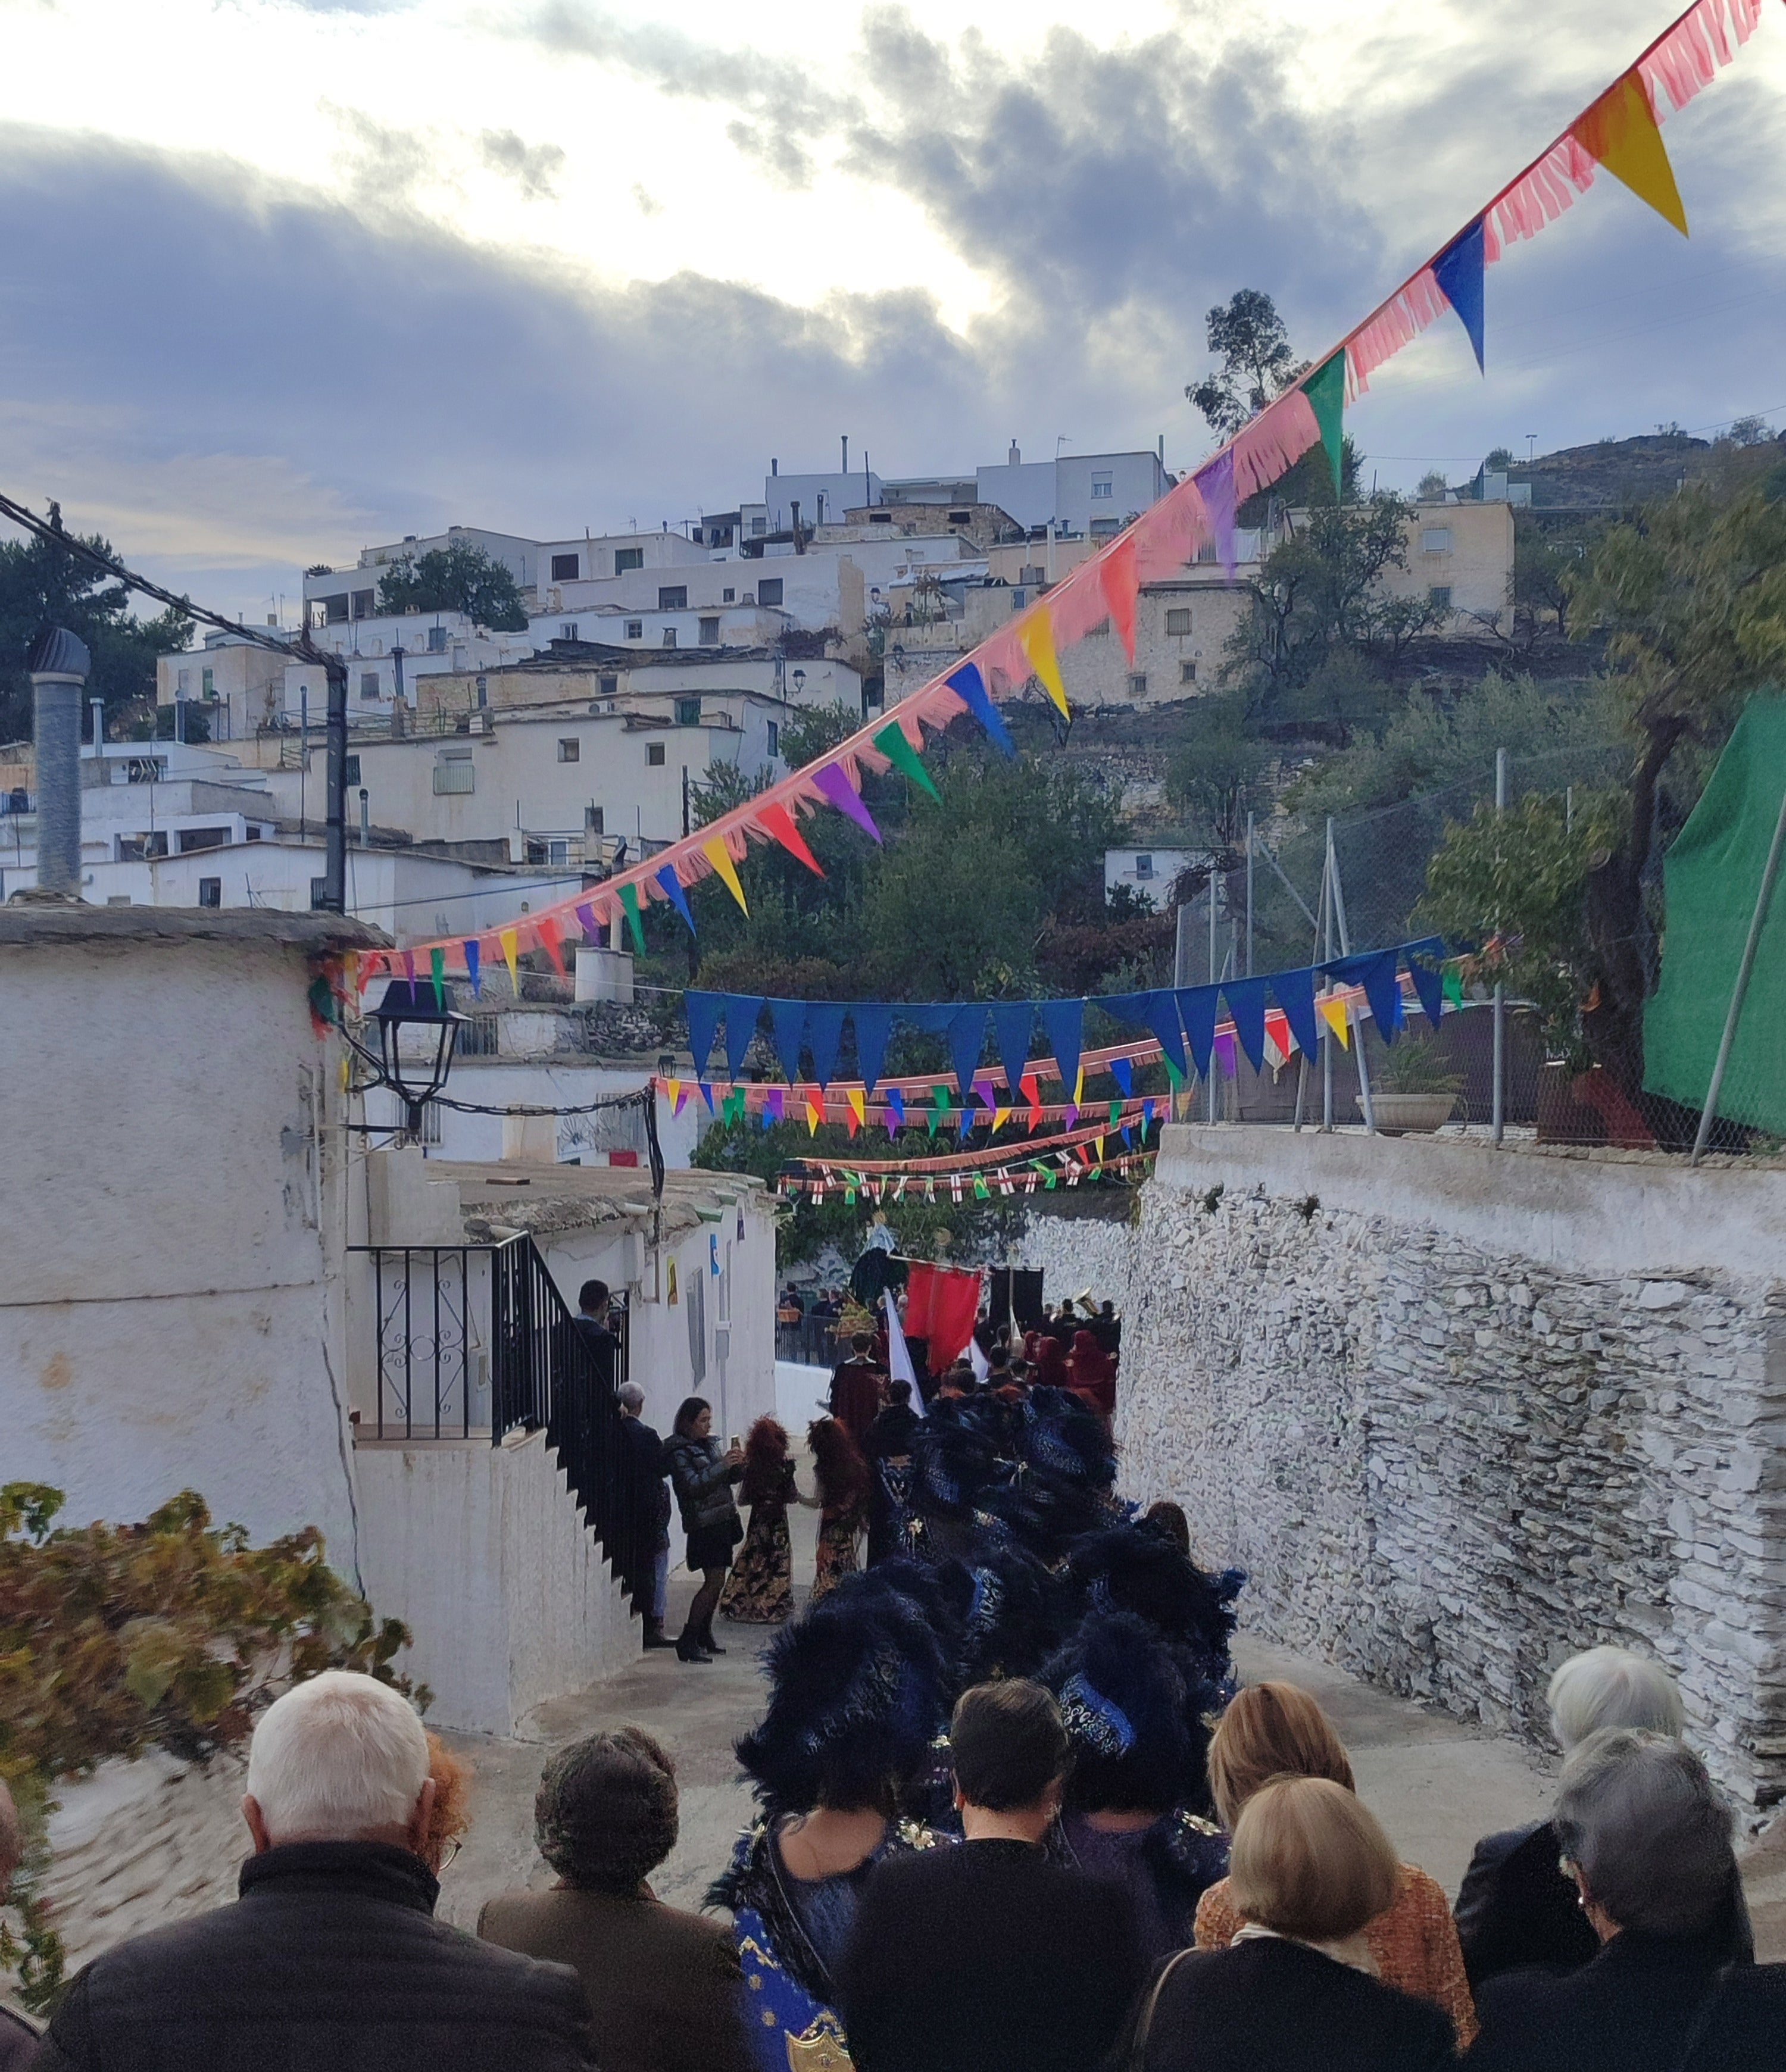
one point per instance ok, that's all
(628, 558)
(1137, 684)
(1435, 539)
(189, 839)
(335, 609)
(208, 682)
(455, 779)
(768, 589)
(654, 755)
(1101, 630)
(710, 632)
(728, 597)
(437, 639)
(636, 629)
(673, 596)
(775, 739)
(669, 636)
(210, 892)
(960, 518)
(185, 681)
(570, 750)
(688, 711)
(430, 1124)
(483, 690)
(1441, 595)
(758, 526)
(369, 684)
(1178, 620)
(364, 601)
(1144, 864)
(1019, 597)
(1187, 672)
(608, 686)
(351, 775)
(568, 632)
(319, 892)
(880, 517)
(1104, 528)
(1102, 489)
(565, 567)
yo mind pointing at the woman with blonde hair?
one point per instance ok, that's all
(1275, 1730)
(1293, 1990)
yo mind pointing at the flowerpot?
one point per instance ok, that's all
(1398, 1114)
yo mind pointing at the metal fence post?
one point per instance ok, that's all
(1499, 1118)
(1250, 895)
(1345, 951)
(1739, 992)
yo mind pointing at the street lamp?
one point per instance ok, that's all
(416, 1079)
(800, 681)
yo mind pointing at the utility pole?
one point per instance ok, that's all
(58, 665)
(335, 854)
(1498, 1119)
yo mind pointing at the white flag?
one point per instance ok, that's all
(899, 1354)
(977, 1360)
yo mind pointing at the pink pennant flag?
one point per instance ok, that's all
(1274, 443)
(1120, 580)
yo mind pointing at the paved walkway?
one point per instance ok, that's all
(1436, 1783)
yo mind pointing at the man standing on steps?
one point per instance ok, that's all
(646, 1469)
(602, 1347)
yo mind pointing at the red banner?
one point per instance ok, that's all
(941, 1304)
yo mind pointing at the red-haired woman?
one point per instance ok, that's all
(842, 1475)
(759, 1589)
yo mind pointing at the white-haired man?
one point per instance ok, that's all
(331, 1957)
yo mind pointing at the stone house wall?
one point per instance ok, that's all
(1460, 1414)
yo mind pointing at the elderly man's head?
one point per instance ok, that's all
(1610, 1687)
(342, 1758)
(632, 1399)
(1643, 1830)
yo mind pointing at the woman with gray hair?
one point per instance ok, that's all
(1646, 1842)
(1515, 1907)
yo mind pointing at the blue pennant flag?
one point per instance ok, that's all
(1424, 968)
(1063, 1021)
(740, 1027)
(673, 890)
(1122, 1071)
(1010, 1031)
(1458, 271)
(823, 1035)
(1375, 971)
(704, 1011)
(1160, 1012)
(966, 1033)
(787, 1018)
(1295, 992)
(895, 1107)
(969, 687)
(872, 1026)
(1246, 999)
(1197, 1005)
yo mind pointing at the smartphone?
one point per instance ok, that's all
(735, 1443)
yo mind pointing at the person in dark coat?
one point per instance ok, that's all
(1294, 1993)
(1742, 2027)
(649, 1493)
(987, 1957)
(592, 1329)
(855, 1395)
(1648, 1846)
(703, 1475)
(887, 1446)
(1515, 1907)
(665, 1989)
(331, 1956)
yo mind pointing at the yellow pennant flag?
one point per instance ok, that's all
(511, 942)
(716, 853)
(812, 1118)
(1035, 637)
(857, 1100)
(1079, 1086)
(1332, 1008)
(673, 1089)
(998, 1117)
(1620, 130)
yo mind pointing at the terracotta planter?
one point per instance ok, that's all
(1399, 1114)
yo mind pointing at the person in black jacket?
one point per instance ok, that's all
(1647, 1844)
(592, 1329)
(702, 1477)
(649, 1504)
(331, 1956)
(986, 1957)
(1742, 2027)
(1294, 1992)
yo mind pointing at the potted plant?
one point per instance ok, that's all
(1413, 1087)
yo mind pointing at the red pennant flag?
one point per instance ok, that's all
(1121, 583)
(778, 821)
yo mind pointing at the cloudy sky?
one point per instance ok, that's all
(285, 277)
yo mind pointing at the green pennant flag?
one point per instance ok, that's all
(1048, 1179)
(437, 971)
(891, 742)
(982, 1191)
(1326, 391)
(1452, 983)
(848, 1193)
(1174, 1077)
(629, 899)
(1116, 1113)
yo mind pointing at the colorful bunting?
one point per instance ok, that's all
(891, 742)
(511, 942)
(1620, 131)
(833, 781)
(437, 975)
(1035, 637)
(779, 822)
(1458, 271)
(1326, 391)
(1331, 1007)
(673, 892)
(1121, 580)
(716, 853)
(969, 687)
(629, 901)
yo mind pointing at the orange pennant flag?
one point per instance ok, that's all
(547, 931)
(716, 853)
(812, 1118)
(1121, 582)
(511, 942)
(857, 1097)
(1620, 130)
(1332, 1008)
(1035, 637)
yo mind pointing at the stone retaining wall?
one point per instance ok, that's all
(1460, 1413)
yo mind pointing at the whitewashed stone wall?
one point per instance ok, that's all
(1461, 1414)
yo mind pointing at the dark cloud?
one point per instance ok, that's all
(532, 168)
(783, 111)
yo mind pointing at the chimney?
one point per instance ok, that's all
(775, 468)
(1014, 459)
(58, 665)
(845, 453)
(1163, 449)
(800, 544)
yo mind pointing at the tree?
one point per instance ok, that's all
(1750, 432)
(45, 583)
(1432, 486)
(1498, 459)
(1257, 363)
(1217, 772)
(1544, 570)
(1691, 598)
(455, 579)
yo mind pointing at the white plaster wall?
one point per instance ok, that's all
(481, 1550)
(171, 1222)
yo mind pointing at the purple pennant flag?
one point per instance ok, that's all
(1215, 486)
(773, 1102)
(841, 793)
(1224, 1051)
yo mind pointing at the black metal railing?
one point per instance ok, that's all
(476, 1338)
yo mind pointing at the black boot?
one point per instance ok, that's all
(655, 1635)
(687, 1648)
(707, 1641)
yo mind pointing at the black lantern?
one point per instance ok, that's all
(417, 1077)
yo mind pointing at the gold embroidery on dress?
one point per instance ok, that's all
(820, 2049)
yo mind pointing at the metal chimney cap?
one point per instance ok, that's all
(55, 651)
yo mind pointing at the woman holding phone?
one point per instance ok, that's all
(702, 1478)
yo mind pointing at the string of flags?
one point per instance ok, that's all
(1618, 133)
(1068, 1168)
